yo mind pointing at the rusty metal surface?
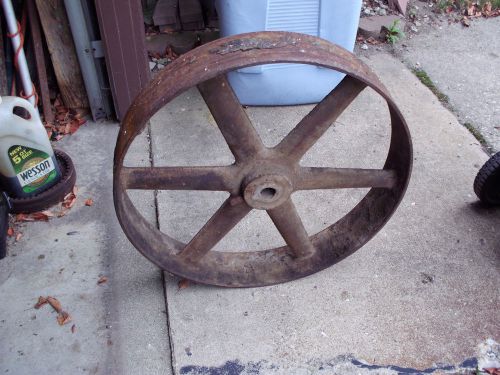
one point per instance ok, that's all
(261, 177)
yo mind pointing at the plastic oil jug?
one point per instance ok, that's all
(28, 165)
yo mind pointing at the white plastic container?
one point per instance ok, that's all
(27, 162)
(283, 84)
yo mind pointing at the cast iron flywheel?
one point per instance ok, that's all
(260, 178)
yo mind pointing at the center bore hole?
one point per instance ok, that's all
(268, 193)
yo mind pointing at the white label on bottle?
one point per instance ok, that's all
(35, 172)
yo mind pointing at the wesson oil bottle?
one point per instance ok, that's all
(28, 165)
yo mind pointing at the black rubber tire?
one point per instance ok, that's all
(487, 182)
(4, 225)
(53, 195)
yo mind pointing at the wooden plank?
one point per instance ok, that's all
(41, 70)
(166, 15)
(122, 32)
(191, 15)
(62, 52)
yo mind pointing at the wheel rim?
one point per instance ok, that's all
(261, 178)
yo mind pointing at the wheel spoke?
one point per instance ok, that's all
(234, 124)
(317, 122)
(288, 222)
(227, 216)
(181, 178)
(310, 178)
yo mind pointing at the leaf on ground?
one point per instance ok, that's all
(89, 202)
(10, 232)
(66, 121)
(40, 216)
(63, 318)
(69, 199)
(23, 217)
(487, 7)
(372, 40)
(54, 302)
(73, 328)
(183, 284)
(41, 301)
(35, 216)
(18, 236)
(102, 280)
(492, 371)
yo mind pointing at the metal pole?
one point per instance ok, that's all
(12, 26)
(84, 51)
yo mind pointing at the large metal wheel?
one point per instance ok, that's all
(261, 178)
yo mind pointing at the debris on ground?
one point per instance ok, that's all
(89, 202)
(66, 121)
(376, 8)
(158, 61)
(469, 8)
(70, 198)
(183, 284)
(35, 216)
(62, 316)
(60, 210)
(419, 16)
(102, 280)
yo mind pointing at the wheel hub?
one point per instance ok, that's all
(267, 192)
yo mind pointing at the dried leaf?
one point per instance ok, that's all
(41, 301)
(39, 216)
(89, 202)
(48, 213)
(54, 302)
(23, 217)
(70, 203)
(18, 236)
(70, 199)
(73, 328)
(492, 371)
(102, 280)
(66, 121)
(63, 318)
(10, 232)
(372, 40)
(183, 284)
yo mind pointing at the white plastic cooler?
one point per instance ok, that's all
(286, 84)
